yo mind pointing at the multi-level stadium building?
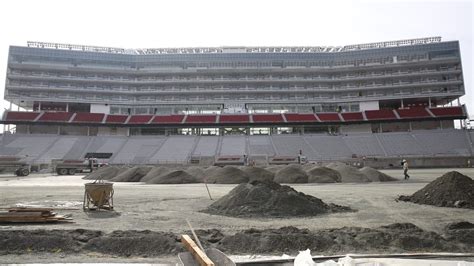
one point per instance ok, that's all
(396, 86)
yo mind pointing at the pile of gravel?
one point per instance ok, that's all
(155, 172)
(257, 173)
(197, 172)
(226, 175)
(270, 199)
(452, 189)
(290, 174)
(348, 173)
(173, 177)
(106, 173)
(375, 175)
(323, 175)
(134, 174)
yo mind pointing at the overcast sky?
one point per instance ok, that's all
(179, 23)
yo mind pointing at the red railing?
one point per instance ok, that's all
(268, 118)
(234, 119)
(329, 117)
(201, 119)
(116, 119)
(55, 117)
(139, 119)
(88, 117)
(380, 115)
(357, 116)
(21, 116)
(167, 119)
(300, 117)
(448, 111)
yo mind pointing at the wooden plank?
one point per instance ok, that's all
(21, 214)
(198, 254)
(28, 209)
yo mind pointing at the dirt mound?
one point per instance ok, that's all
(269, 199)
(257, 173)
(134, 174)
(136, 243)
(174, 177)
(452, 189)
(274, 168)
(375, 175)
(197, 172)
(291, 174)
(348, 173)
(155, 172)
(388, 239)
(106, 173)
(226, 175)
(323, 175)
(460, 232)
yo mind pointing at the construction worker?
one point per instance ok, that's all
(405, 168)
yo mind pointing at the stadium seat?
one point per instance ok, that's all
(300, 117)
(414, 112)
(55, 117)
(380, 114)
(116, 119)
(21, 116)
(243, 118)
(167, 119)
(88, 117)
(139, 119)
(328, 117)
(267, 118)
(356, 116)
(448, 111)
(201, 119)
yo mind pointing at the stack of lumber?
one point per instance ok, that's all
(31, 215)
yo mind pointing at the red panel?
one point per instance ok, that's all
(413, 112)
(380, 114)
(88, 117)
(116, 119)
(447, 111)
(234, 119)
(353, 116)
(201, 119)
(326, 117)
(268, 118)
(167, 119)
(21, 116)
(139, 119)
(56, 117)
(300, 117)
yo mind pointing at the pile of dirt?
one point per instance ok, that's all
(462, 231)
(375, 175)
(134, 174)
(394, 238)
(135, 243)
(226, 175)
(106, 173)
(257, 173)
(155, 172)
(173, 177)
(452, 189)
(274, 168)
(197, 172)
(290, 174)
(323, 175)
(348, 173)
(270, 199)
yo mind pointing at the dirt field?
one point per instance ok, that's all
(164, 208)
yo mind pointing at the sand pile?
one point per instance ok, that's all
(269, 199)
(323, 175)
(375, 175)
(348, 173)
(226, 175)
(106, 173)
(173, 177)
(293, 173)
(452, 189)
(257, 173)
(274, 168)
(197, 172)
(155, 172)
(133, 174)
